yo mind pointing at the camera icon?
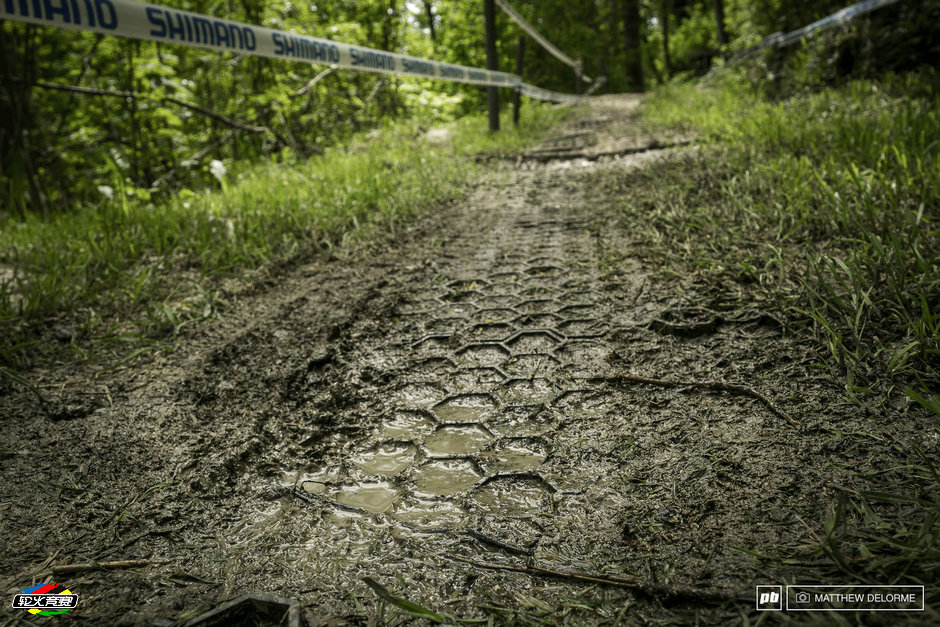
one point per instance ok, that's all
(802, 597)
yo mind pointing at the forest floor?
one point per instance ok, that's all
(501, 415)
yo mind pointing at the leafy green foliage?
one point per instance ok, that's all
(80, 111)
(157, 261)
(899, 38)
(151, 116)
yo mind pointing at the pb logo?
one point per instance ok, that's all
(769, 598)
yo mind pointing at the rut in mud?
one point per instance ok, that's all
(451, 420)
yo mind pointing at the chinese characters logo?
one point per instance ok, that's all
(45, 600)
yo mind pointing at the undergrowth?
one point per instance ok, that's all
(831, 201)
(137, 272)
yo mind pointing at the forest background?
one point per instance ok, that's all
(80, 112)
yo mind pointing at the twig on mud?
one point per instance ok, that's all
(721, 386)
(639, 293)
(652, 590)
(562, 155)
(499, 544)
(87, 566)
(535, 368)
(133, 540)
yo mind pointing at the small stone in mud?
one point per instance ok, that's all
(319, 358)
(65, 333)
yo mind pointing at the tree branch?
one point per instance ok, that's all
(88, 91)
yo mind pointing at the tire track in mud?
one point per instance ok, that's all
(490, 365)
(499, 435)
(486, 357)
(456, 399)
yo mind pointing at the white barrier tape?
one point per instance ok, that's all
(554, 96)
(544, 94)
(141, 20)
(537, 36)
(839, 17)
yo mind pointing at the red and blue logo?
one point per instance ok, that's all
(45, 600)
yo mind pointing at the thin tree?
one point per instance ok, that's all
(633, 54)
(429, 13)
(665, 7)
(719, 7)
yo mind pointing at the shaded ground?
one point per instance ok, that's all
(482, 419)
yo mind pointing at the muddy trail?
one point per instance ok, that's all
(501, 415)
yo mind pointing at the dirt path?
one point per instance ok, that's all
(477, 420)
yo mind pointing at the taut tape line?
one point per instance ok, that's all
(151, 22)
(839, 17)
(537, 36)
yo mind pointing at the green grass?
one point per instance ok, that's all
(824, 207)
(134, 271)
(830, 201)
(880, 538)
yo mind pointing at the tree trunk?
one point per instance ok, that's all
(719, 7)
(16, 152)
(492, 93)
(665, 11)
(429, 12)
(632, 44)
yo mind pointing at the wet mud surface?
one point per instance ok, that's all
(476, 418)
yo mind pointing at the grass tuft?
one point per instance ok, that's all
(156, 266)
(831, 201)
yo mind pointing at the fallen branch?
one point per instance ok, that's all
(555, 155)
(188, 105)
(707, 385)
(652, 590)
(89, 566)
(497, 543)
